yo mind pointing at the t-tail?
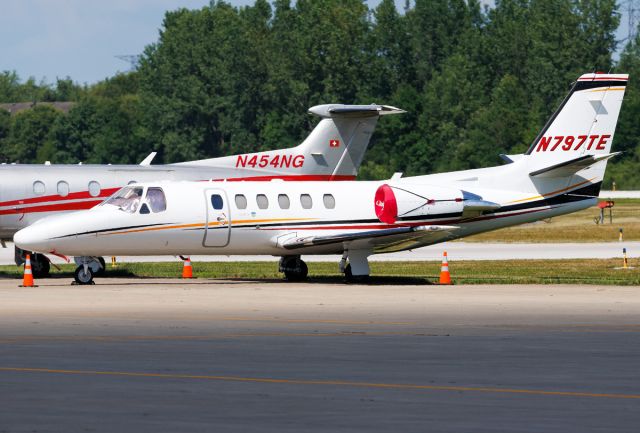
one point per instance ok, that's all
(332, 151)
(575, 144)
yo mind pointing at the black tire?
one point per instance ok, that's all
(296, 271)
(104, 267)
(83, 277)
(40, 266)
(347, 272)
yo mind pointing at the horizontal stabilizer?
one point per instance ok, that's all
(341, 110)
(567, 168)
(377, 238)
(480, 205)
(511, 158)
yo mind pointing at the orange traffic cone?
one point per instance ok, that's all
(187, 270)
(445, 276)
(27, 280)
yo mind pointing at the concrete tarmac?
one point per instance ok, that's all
(151, 355)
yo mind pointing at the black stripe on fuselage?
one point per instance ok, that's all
(92, 232)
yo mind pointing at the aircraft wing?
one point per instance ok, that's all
(380, 241)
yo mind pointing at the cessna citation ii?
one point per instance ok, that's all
(332, 151)
(560, 173)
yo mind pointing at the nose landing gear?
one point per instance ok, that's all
(88, 267)
(40, 264)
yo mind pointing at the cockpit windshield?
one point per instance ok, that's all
(127, 199)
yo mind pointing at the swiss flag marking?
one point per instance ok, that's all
(334, 143)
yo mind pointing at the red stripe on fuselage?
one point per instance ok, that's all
(109, 191)
(49, 198)
(75, 205)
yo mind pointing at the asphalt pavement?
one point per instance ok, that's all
(151, 355)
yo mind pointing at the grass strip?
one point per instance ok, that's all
(574, 271)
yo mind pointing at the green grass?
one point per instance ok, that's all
(575, 227)
(463, 272)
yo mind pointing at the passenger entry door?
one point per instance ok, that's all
(218, 226)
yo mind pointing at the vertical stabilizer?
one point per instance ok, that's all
(332, 151)
(575, 144)
(586, 120)
(342, 137)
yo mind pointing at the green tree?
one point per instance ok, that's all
(30, 130)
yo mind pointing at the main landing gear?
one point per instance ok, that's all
(357, 270)
(354, 265)
(88, 267)
(294, 268)
(40, 264)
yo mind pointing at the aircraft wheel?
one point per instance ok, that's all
(40, 266)
(295, 269)
(348, 275)
(84, 277)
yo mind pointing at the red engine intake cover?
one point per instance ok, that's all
(386, 205)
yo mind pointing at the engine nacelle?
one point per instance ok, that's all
(407, 201)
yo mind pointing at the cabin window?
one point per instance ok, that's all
(241, 201)
(156, 199)
(262, 201)
(283, 201)
(94, 188)
(216, 201)
(329, 201)
(305, 201)
(63, 188)
(38, 187)
(127, 199)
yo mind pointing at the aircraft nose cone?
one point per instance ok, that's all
(31, 239)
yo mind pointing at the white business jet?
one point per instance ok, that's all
(332, 151)
(560, 173)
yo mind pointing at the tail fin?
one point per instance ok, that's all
(332, 151)
(579, 134)
(586, 120)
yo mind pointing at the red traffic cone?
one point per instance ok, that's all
(27, 280)
(187, 270)
(445, 276)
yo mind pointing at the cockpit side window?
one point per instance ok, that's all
(127, 199)
(156, 199)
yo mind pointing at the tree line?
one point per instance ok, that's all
(476, 82)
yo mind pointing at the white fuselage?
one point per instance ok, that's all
(292, 210)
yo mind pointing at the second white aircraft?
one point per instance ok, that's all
(560, 173)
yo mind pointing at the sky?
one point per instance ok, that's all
(49, 39)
